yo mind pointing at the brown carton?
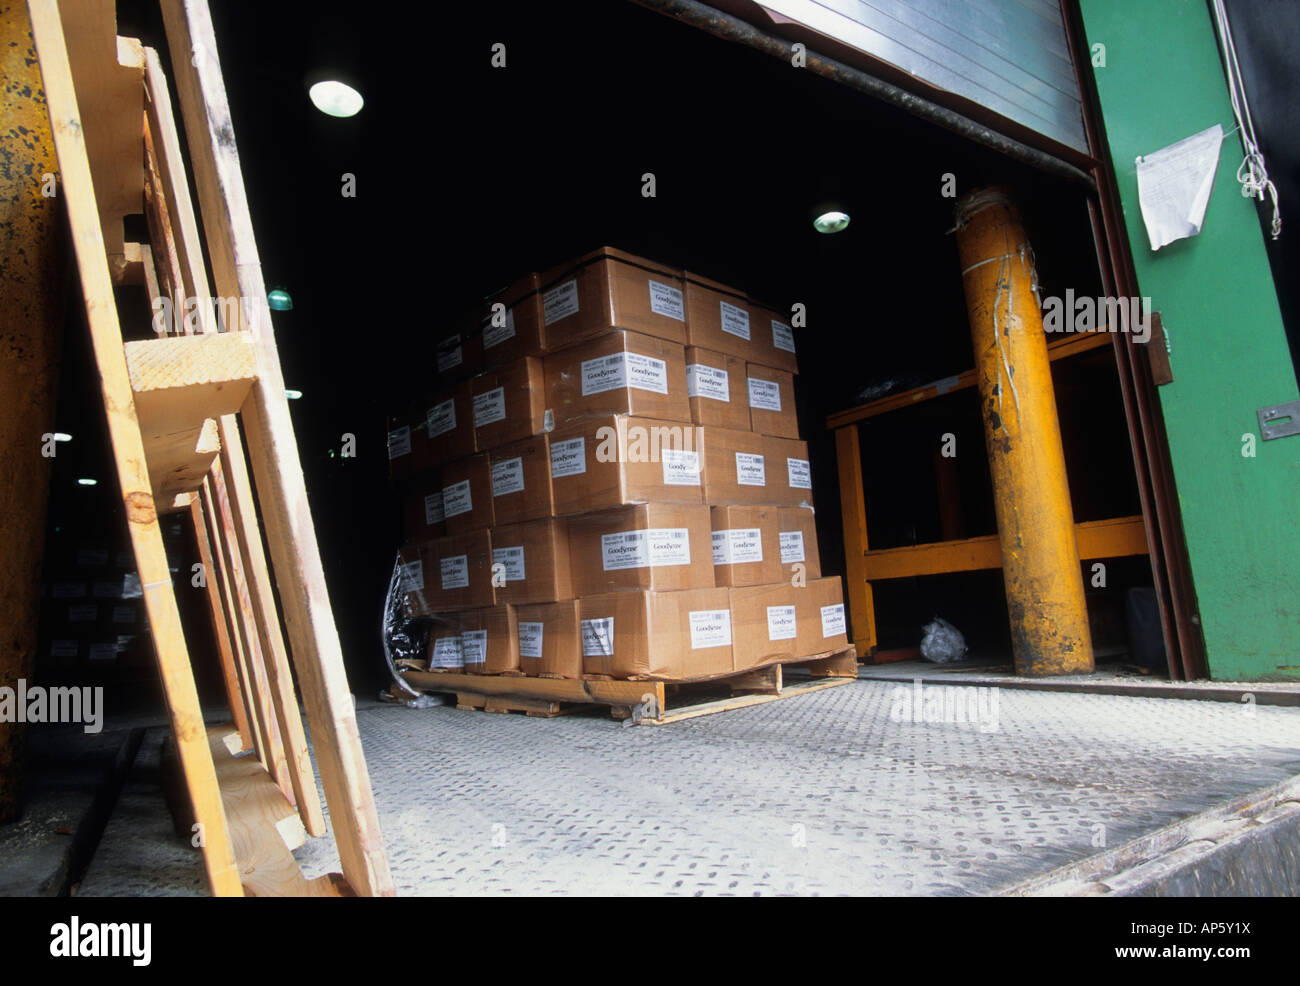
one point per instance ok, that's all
(508, 403)
(646, 546)
(521, 480)
(488, 641)
(610, 289)
(414, 584)
(511, 323)
(765, 624)
(717, 317)
(772, 343)
(467, 494)
(550, 644)
(531, 562)
(789, 476)
(771, 401)
(671, 635)
(449, 425)
(746, 549)
(401, 447)
(457, 571)
(822, 624)
(610, 460)
(444, 649)
(619, 373)
(715, 385)
(422, 509)
(735, 467)
(797, 530)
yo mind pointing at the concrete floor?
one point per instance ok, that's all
(824, 793)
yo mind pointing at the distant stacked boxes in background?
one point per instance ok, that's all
(611, 482)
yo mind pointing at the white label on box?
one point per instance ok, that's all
(489, 407)
(764, 394)
(131, 587)
(399, 442)
(738, 546)
(833, 620)
(473, 646)
(626, 549)
(791, 547)
(455, 572)
(447, 653)
(530, 639)
(710, 628)
(782, 336)
(568, 458)
(681, 468)
(799, 474)
(64, 648)
(604, 373)
(707, 381)
(92, 557)
(667, 300)
(72, 590)
(734, 320)
(669, 546)
(548, 421)
(512, 560)
(598, 637)
(413, 576)
(508, 476)
(85, 613)
(494, 335)
(124, 614)
(781, 623)
(449, 354)
(103, 652)
(433, 512)
(647, 373)
(749, 470)
(441, 418)
(456, 499)
(560, 302)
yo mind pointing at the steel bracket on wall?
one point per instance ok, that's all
(1279, 420)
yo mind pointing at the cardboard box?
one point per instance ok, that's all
(746, 548)
(534, 562)
(511, 323)
(611, 460)
(797, 531)
(647, 546)
(458, 356)
(715, 387)
(521, 480)
(765, 624)
(549, 641)
(717, 317)
(735, 466)
(449, 425)
(411, 558)
(445, 650)
(823, 626)
(671, 635)
(488, 640)
(467, 494)
(609, 289)
(457, 572)
(789, 475)
(508, 403)
(772, 343)
(422, 509)
(619, 373)
(770, 397)
(408, 446)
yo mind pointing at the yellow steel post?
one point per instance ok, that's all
(1040, 555)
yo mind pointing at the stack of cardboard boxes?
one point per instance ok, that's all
(611, 482)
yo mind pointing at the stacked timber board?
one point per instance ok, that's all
(610, 482)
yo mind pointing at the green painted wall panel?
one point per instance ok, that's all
(1163, 81)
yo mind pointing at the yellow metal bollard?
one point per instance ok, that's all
(1040, 556)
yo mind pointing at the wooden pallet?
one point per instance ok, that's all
(179, 408)
(637, 702)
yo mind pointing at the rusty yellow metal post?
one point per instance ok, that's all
(1040, 555)
(31, 333)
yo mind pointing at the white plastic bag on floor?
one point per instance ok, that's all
(943, 642)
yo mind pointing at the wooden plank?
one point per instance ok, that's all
(760, 681)
(273, 452)
(177, 679)
(1113, 538)
(744, 701)
(579, 690)
(161, 241)
(211, 375)
(841, 665)
(178, 463)
(225, 650)
(853, 512)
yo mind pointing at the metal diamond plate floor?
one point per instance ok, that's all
(824, 793)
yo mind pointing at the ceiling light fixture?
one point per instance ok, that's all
(279, 300)
(293, 395)
(62, 436)
(335, 98)
(88, 482)
(833, 221)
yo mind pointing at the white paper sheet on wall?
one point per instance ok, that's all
(1174, 185)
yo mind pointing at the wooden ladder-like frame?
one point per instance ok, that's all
(178, 409)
